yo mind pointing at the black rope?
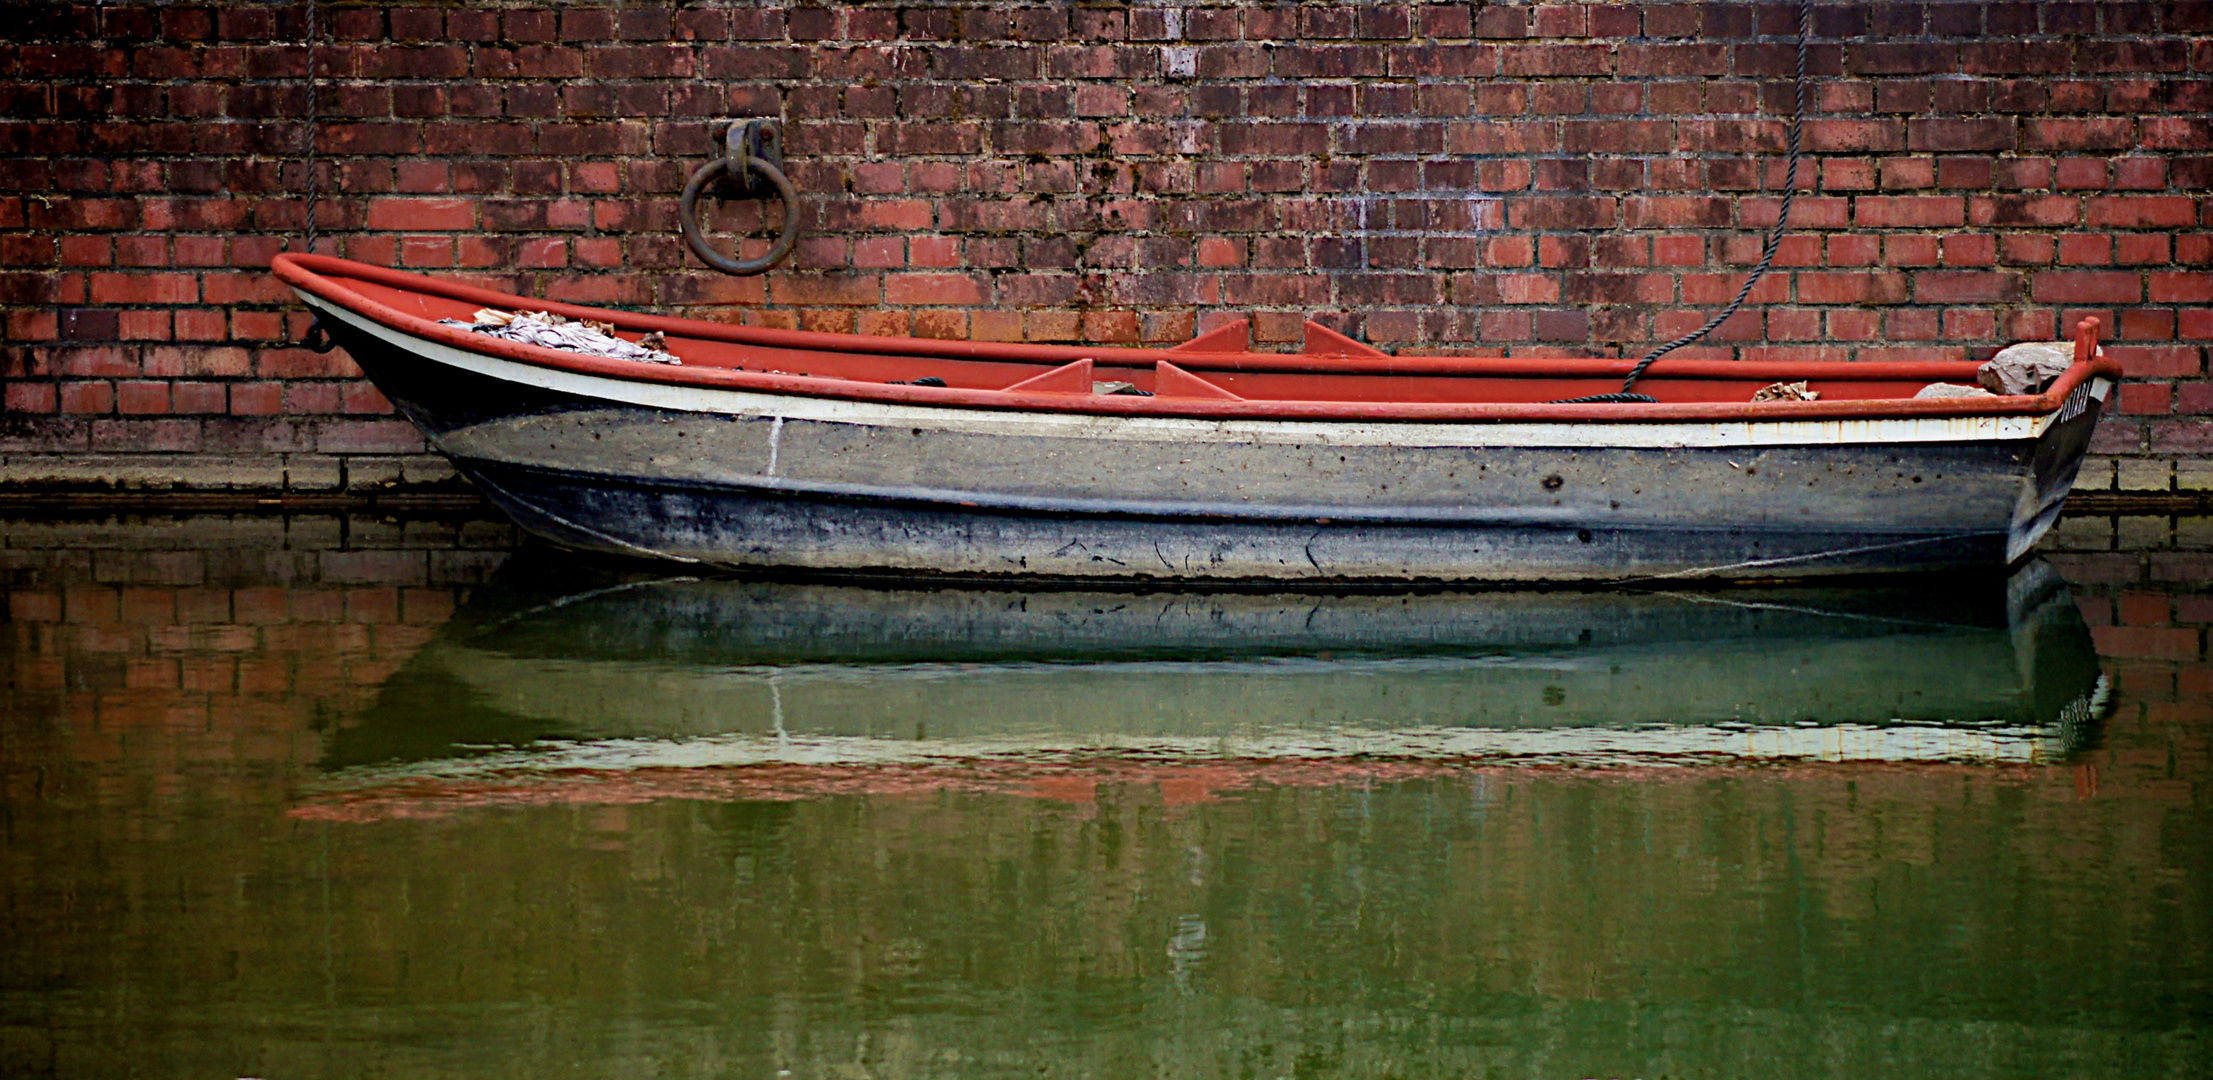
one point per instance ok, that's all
(1767, 251)
(1623, 398)
(317, 338)
(314, 31)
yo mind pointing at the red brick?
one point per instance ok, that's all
(2156, 361)
(1851, 288)
(201, 325)
(2087, 287)
(934, 288)
(2169, 287)
(421, 215)
(1831, 136)
(2139, 249)
(2140, 173)
(2075, 174)
(2024, 210)
(198, 397)
(256, 399)
(2141, 211)
(2023, 249)
(144, 289)
(1918, 211)
(2097, 133)
(1910, 249)
(151, 325)
(2146, 399)
(1942, 287)
(2175, 133)
(1969, 249)
(31, 397)
(2138, 642)
(1943, 135)
(87, 398)
(142, 397)
(426, 251)
(2085, 249)
(2147, 325)
(841, 289)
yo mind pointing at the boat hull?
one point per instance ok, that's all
(771, 481)
(763, 528)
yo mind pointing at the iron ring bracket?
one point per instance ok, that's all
(752, 148)
(317, 339)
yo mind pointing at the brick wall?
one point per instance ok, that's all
(1552, 178)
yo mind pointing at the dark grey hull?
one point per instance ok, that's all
(767, 528)
(789, 483)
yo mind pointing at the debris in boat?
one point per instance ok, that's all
(1124, 388)
(1787, 391)
(1952, 390)
(572, 335)
(926, 380)
(2026, 368)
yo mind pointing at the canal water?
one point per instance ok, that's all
(358, 796)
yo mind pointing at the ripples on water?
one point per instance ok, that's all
(344, 796)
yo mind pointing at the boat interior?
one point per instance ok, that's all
(1218, 365)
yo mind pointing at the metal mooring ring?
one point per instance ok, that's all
(317, 339)
(687, 215)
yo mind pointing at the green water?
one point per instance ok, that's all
(358, 797)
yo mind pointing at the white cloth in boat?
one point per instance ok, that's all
(556, 332)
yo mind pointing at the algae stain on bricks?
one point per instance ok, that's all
(1521, 177)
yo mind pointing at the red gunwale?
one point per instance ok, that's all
(326, 277)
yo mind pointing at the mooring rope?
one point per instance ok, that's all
(1761, 564)
(314, 32)
(1767, 251)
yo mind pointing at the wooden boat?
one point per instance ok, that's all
(556, 665)
(818, 452)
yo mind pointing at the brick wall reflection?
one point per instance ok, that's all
(2145, 585)
(162, 644)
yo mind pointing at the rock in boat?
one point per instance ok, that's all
(819, 452)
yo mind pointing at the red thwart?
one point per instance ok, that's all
(1172, 381)
(1069, 378)
(1323, 341)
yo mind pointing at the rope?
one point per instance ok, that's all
(314, 33)
(1767, 251)
(1757, 564)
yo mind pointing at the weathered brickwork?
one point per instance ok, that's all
(1539, 179)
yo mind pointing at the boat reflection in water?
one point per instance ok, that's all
(559, 666)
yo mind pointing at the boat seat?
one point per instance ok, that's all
(1070, 378)
(1170, 381)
